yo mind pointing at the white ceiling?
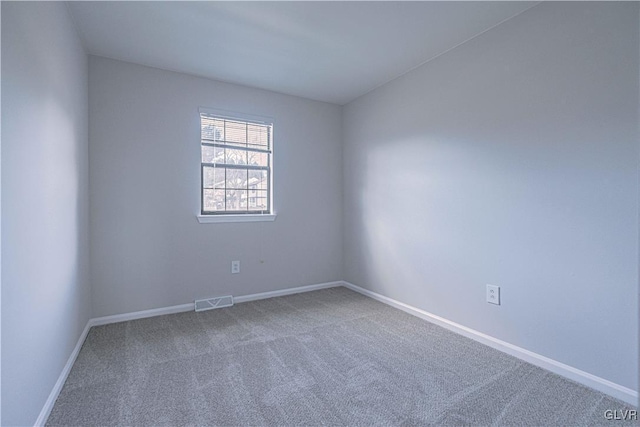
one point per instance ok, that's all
(328, 51)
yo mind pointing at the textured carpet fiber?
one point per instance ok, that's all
(330, 357)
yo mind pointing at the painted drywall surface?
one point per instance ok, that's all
(0, 230)
(511, 160)
(147, 248)
(45, 265)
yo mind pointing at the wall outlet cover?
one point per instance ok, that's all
(235, 267)
(493, 294)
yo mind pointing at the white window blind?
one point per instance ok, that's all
(236, 165)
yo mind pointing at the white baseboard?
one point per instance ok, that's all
(283, 292)
(51, 400)
(105, 320)
(125, 317)
(605, 386)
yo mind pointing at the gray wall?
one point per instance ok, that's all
(0, 230)
(45, 287)
(147, 248)
(511, 160)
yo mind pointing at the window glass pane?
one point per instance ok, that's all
(212, 154)
(213, 177)
(219, 177)
(237, 179)
(213, 200)
(208, 200)
(207, 177)
(225, 188)
(257, 200)
(218, 196)
(243, 200)
(236, 157)
(257, 180)
(236, 200)
(258, 159)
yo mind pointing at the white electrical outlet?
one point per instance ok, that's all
(493, 294)
(235, 267)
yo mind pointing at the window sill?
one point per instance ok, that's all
(208, 219)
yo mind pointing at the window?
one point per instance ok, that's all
(235, 165)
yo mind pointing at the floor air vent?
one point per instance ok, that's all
(211, 303)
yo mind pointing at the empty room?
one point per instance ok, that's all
(319, 213)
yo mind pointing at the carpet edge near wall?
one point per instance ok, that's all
(124, 317)
(569, 372)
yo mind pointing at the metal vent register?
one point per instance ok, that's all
(211, 303)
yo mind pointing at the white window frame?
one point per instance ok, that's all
(219, 217)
